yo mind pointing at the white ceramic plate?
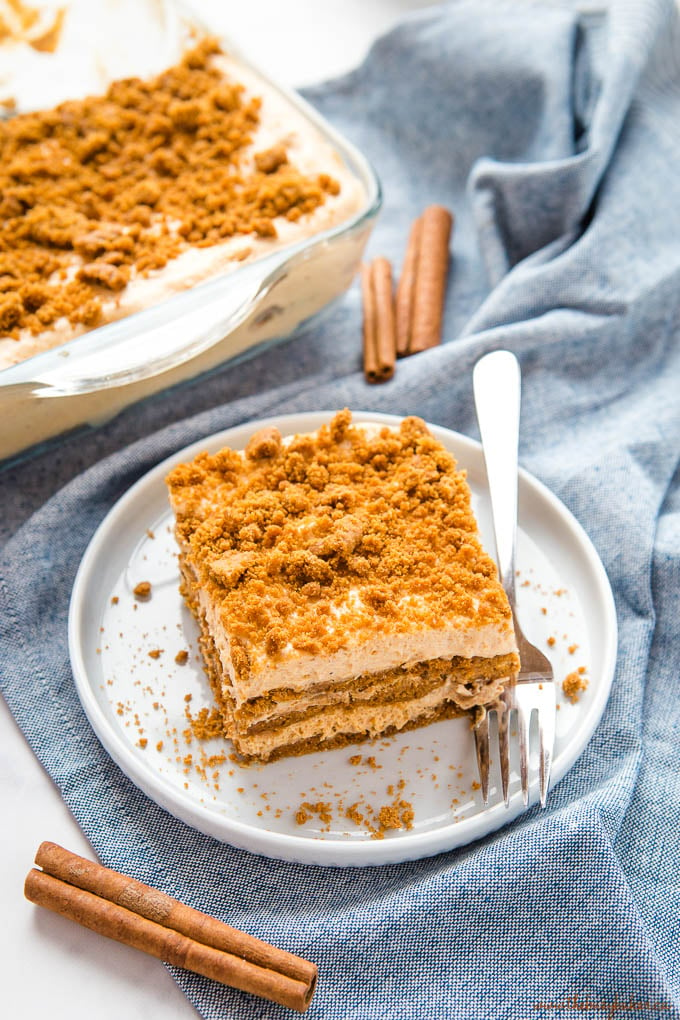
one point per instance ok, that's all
(323, 808)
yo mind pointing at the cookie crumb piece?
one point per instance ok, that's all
(307, 811)
(264, 444)
(574, 684)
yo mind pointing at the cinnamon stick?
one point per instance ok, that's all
(147, 919)
(379, 327)
(429, 291)
(406, 289)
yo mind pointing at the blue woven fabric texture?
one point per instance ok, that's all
(555, 138)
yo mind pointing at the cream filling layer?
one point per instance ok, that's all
(300, 671)
(381, 652)
(482, 692)
(372, 720)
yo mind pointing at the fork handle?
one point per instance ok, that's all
(496, 383)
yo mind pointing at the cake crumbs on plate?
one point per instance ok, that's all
(395, 815)
(574, 684)
(142, 590)
(306, 811)
(206, 724)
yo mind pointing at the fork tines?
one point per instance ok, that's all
(517, 704)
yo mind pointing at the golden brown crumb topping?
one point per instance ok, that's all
(99, 189)
(574, 684)
(332, 534)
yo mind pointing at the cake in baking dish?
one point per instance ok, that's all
(112, 203)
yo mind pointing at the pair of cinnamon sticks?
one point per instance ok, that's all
(396, 325)
(147, 919)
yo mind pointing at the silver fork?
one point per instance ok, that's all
(497, 389)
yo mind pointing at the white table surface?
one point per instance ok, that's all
(50, 966)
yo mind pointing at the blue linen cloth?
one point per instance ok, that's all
(555, 137)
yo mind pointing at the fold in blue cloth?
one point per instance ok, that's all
(555, 138)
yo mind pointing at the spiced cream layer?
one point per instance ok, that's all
(340, 586)
(111, 204)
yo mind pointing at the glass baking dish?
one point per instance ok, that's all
(89, 379)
